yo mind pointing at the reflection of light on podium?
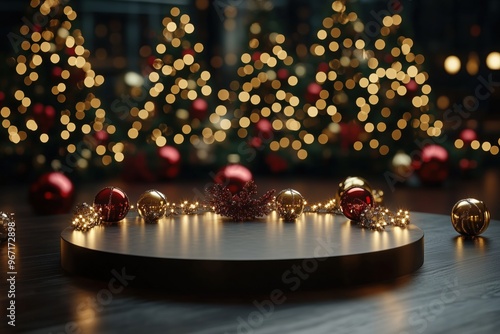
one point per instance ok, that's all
(274, 224)
(345, 232)
(300, 229)
(464, 244)
(401, 235)
(185, 235)
(212, 228)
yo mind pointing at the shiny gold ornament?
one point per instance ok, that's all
(349, 182)
(470, 217)
(152, 206)
(289, 204)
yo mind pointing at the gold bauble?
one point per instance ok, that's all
(289, 204)
(470, 217)
(349, 182)
(152, 205)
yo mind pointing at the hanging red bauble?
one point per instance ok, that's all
(52, 193)
(276, 163)
(56, 73)
(468, 136)
(412, 86)
(323, 67)
(170, 162)
(199, 108)
(354, 200)
(312, 94)
(233, 177)
(349, 134)
(44, 116)
(101, 137)
(432, 167)
(112, 204)
(264, 129)
(256, 56)
(282, 74)
(188, 51)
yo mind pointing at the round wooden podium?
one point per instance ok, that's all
(209, 253)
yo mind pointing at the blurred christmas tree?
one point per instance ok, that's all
(170, 120)
(51, 115)
(370, 92)
(260, 110)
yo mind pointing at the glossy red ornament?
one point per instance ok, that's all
(44, 116)
(264, 129)
(276, 163)
(170, 162)
(323, 67)
(101, 137)
(312, 94)
(52, 193)
(112, 204)
(468, 136)
(432, 167)
(256, 55)
(233, 177)
(282, 74)
(199, 108)
(412, 86)
(354, 200)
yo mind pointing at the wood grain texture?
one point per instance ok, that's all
(456, 290)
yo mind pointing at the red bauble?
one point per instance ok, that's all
(323, 67)
(282, 74)
(101, 137)
(233, 177)
(170, 161)
(432, 168)
(188, 51)
(412, 86)
(256, 56)
(112, 204)
(468, 136)
(56, 73)
(312, 94)
(136, 168)
(199, 108)
(349, 134)
(44, 116)
(264, 129)
(52, 193)
(354, 200)
(276, 163)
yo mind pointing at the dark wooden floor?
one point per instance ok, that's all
(456, 290)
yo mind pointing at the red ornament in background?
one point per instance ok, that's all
(136, 168)
(282, 74)
(264, 129)
(432, 167)
(56, 73)
(170, 161)
(199, 108)
(52, 193)
(412, 86)
(276, 163)
(256, 56)
(101, 137)
(323, 67)
(354, 200)
(112, 204)
(188, 51)
(312, 94)
(349, 134)
(44, 116)
(468, 136)
(234, 177)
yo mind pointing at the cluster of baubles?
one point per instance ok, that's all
(111, 205)
(355, 199)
